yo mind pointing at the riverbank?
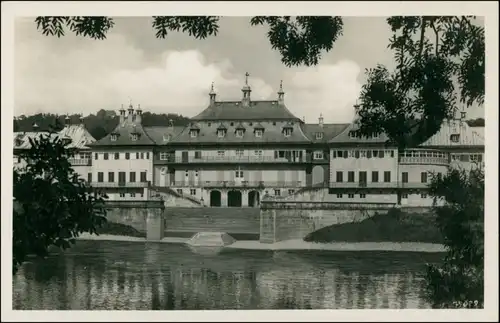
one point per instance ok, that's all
(293, 244)
(394, 227)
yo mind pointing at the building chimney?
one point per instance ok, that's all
(281, 94)
(130, 116)
(82, 120)
(170, 122)
(245, 101)
(320, 120)
(138, 114)
(67, 121)
(212, 95)
(35, 127)
(122, 115)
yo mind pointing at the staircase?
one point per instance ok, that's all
(243, 220)
(162, 190)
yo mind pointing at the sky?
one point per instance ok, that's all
(79, 75)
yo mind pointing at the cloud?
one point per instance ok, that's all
(87, 75)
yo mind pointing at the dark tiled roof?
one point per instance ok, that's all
(234, 110)
(344, 137)
(329, 130)
(124, 131)
(272, 134)
(163, 135)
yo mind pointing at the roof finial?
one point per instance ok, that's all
(212, 87)
(281, 85)
(130, 102)
(246, 78)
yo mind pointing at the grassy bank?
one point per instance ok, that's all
(395, 226)
(120, 230)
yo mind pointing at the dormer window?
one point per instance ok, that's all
(287, 130)
(193, 133)
(239, 133)
(375, 136)
(221, 133)
(319, 135)
(166, 137)
(134, 137)
(258, 133)
(352, 134)
(114, 137)
(454, 137)
(19, 142)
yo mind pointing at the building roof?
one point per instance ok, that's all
(163, 135)
(21, 138)
(124, 131)
(468, 136)
(329, 131)
(79, 135)
(345, 137)
(234, 110)
(273, 133)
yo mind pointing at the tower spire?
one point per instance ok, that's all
(281, 94)
(212, 94)
(246, 92)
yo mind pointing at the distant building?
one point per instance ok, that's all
(76, 136)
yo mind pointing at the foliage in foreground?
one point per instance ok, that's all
(459, 282)
(51, 204)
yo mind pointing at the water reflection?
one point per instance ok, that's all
(102, 275)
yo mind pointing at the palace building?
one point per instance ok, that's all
(234, 152)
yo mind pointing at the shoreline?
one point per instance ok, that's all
(290, 245)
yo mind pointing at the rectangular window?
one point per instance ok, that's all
(127, 155)
(137, 156)
(404, 196)
(291, 191)
(258, 153)
(387, 177)
(89, 177)
(318, 155)
(362, 196)
(132, 177)
(197, 155)
(96, 156)
(258, 133)
(179, 191)
(221, 153)
(350, 177)
(404, 177)
(132, 194)
(339, 177)
(147, 155)
(143, 177)
(193, 191)
(239, 153)
(100, 177)
(374, 177)
(121, 177)
(163, 156)
(239, 133)
(122, 194)
(287, 132)
(319, 135)
(362, 177)
(351, 196)
(277, 192)
(423, 195)
(117, 155)
(111, 177)
(106, 156)
(423, 177)
(339, 196)
(220, 133)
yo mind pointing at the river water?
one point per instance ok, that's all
(112, 275)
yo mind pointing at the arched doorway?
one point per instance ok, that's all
(254, 199)
(234, 199)
(318, 175)
(215, 198)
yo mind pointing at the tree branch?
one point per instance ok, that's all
(422, 36)
(437, 37)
